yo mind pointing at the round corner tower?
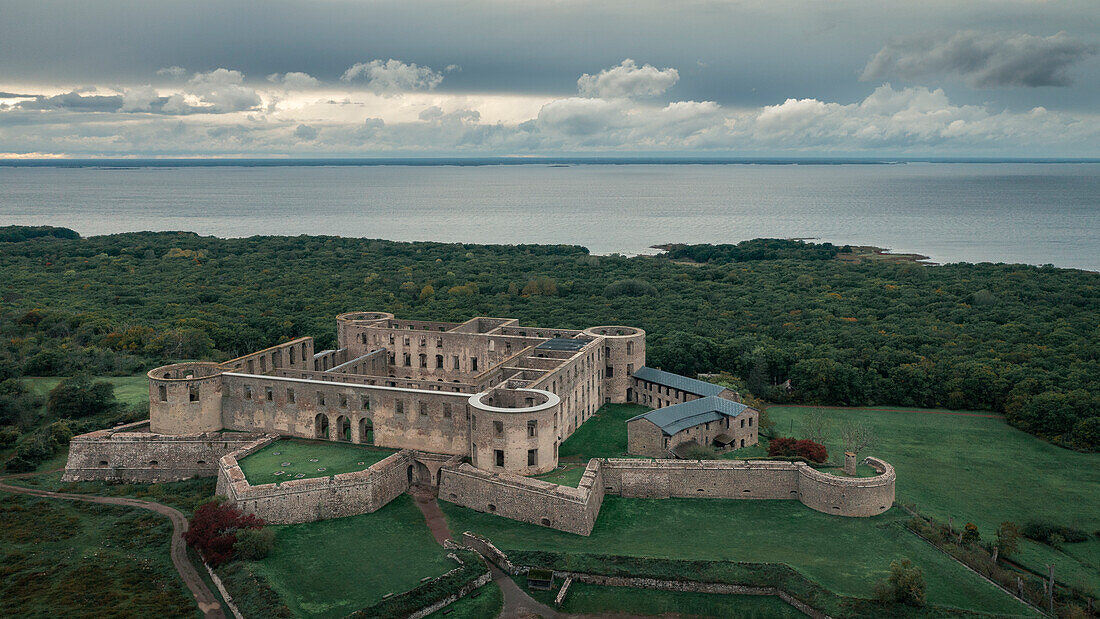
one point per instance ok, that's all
(185, 398)
(624, 353)
(514, 430)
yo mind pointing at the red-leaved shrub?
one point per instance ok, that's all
(213, 530)
(789, 447)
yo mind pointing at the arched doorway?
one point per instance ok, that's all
(343, 429)
(366, 431)
(419, 474)
(320, 426)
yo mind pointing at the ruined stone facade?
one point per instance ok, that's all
(502, 394)
(472, 407)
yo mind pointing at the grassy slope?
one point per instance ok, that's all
(601, 436)
(585, 598)
(846, 555)
(335, 458)
(334, 567)
(128, 389)
(82, 560)
(980, 470)
(488, 603)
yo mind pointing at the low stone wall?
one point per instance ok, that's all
(753, 479)
(526, 499)
(131, 453)
(306, 500)
(575, 509)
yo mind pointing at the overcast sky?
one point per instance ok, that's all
(702, 78)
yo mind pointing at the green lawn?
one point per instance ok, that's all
(334, 567)
(567, 474)
(847, 555)
(603, 435)
(305, 459)
(70, 559)
(586, 598)
(487, 604)
(980, 470)
(128, 389)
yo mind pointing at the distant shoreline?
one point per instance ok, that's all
(133, 163)
(859, 253)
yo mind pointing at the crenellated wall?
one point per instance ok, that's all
(131, 453)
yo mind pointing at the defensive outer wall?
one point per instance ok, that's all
(575, 509)
(132, 453)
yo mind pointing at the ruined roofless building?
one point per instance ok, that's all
(488, 388)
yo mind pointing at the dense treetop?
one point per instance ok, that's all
(1012, 338)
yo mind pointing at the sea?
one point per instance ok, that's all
(1042, 212)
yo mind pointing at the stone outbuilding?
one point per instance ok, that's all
(710, 420)
(658, 389)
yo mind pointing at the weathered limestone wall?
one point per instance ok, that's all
(753, 479)
(575, 509)
(185, 398)
(401, 418)
(624, 352)
(528, 500)
(644, 438)
(518, 426)
(131, 453)
(307, 500)
(295, 354)
(848, 496)
(579, 384)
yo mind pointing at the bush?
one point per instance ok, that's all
(254, 544)
(785, 446)
(78, 397)
(904, 585)
(8, 436)
(213, 530)
(1053, 534)
(629, 288)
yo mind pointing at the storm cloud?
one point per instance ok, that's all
(983, 59)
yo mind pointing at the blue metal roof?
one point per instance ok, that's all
(683, 383)
(564, 343)
(672, 419)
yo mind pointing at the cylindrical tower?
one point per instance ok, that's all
(185, 398)
(512, 430)
(623, 354)
(347, 329)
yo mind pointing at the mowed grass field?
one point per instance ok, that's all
(128, 389)
(953, 464)
(70, 559)
(334, 567)
(298, 455)
(847, 555)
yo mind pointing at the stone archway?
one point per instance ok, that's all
(320, 426)
(366, 431)
(419, 474)
(343, 429)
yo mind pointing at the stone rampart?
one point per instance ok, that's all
(306, 500)
(131, 453)
(526, 499)
(575, 509)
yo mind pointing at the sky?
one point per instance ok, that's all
(326, 78)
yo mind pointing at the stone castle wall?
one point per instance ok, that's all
(575, 509)
(526, 499)
(306, 500)
(131, 453)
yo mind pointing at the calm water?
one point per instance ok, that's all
(1008, 212)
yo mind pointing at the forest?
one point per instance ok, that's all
(788, 319)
